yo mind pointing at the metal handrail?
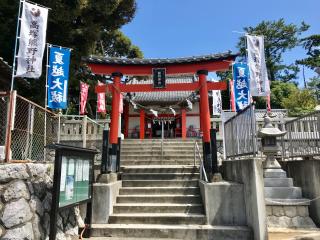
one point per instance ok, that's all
(201, 169)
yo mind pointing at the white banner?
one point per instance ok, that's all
(259, 83)
(32, 40)
(216, 102)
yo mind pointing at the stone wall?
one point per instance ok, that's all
(306, 174)
(249, 173)
(25, 190)
(289, 216)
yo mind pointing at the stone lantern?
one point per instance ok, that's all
(269, 135)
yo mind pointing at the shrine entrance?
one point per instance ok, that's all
(159, 69)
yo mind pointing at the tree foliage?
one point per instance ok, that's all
(79, 24)
(300, 102)
(279, 38)
(314, 86)
(312, 45)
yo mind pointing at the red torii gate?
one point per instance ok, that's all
(117, 67)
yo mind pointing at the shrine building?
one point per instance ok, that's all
(156, 91)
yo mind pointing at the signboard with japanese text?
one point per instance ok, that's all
(259, 83)
(101, 101)
(72, 181)
(84, 88)
(32, 40)
(159, 77)
(241, 85)
(58, 75)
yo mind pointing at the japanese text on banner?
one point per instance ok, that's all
(84, 88)
(58, 76)
(101, 102)
(259, 83)
(241, 85)
(32, 40)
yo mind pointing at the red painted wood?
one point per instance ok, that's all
(170, 87)
(142, 120)
(126, 119)
(204, 107)
(183, 124)
(143, 70)
(114, 125)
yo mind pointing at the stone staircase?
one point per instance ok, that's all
(160, 195)
(285, 205)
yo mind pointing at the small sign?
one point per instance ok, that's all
(159, 77)
(72, 181)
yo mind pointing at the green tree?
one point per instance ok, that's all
(300, 102)
(280, 91)
(312, 45)
(78, 24)
(279, 37)
(314, 86)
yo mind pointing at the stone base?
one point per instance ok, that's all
(289, 216)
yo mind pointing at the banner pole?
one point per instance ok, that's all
(46, 101)
(15, 46)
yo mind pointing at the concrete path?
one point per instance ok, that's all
(290, 234)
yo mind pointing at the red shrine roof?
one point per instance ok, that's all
(143, 66)
(159, 97)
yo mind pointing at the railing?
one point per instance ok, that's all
(30, 128)
(203, 175)
(240, 134)
(26, 128)
(303, 136)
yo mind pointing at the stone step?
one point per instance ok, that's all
(159, 199)
(287, 202)
(160, 169)
(187, 232)
(283, 192)
(151, 152)
(158, 144)
(160, 183)
(157, 208)
(278, 182)
(274, 173)
(157, 157)
(157, 218)
(159, 190)
(158, 147)
(160, 176)
(158, 162)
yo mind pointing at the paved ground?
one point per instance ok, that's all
(288, 234)
(274, 234)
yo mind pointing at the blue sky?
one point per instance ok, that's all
(179, 28)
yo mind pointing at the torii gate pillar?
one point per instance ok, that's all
(205, 119)
(204, 105)
(114, 126)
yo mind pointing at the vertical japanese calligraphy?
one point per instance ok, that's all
(101, 101)
(32, 41)
(259, 83)
(58, 76)
(83, 97)
(216, 102)
(241, 85)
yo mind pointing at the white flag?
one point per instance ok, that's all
(32, 40)
(259, 83)
(216, 102)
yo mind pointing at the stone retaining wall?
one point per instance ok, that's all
(289, 217)
(25, 190)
